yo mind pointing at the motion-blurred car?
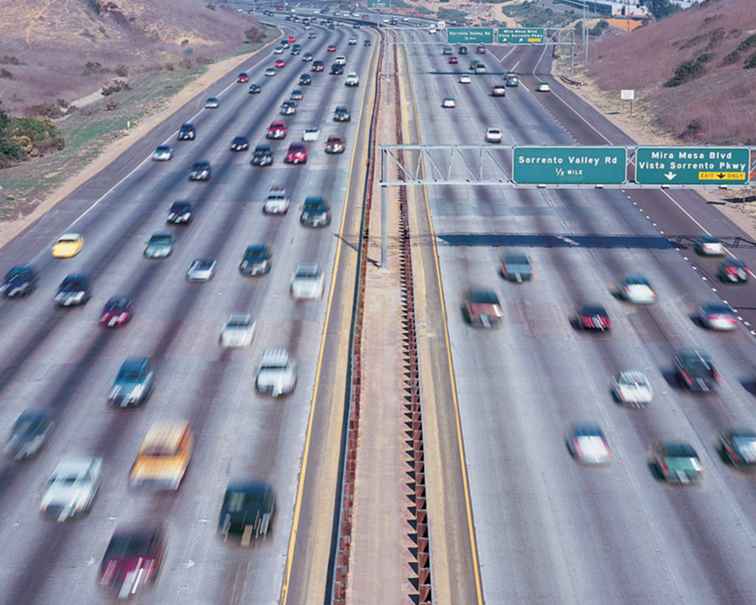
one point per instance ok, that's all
(709, 246)
(499, 90)
(296, 95)
(238, 331)
(677, 462)
(588, 445)
(334, 144)
(318, 66)
(288, 108)
(733, 271)
(311, 134)
(201, 270)
(159, 245)
(493, 135)
(187, 132)
(307, 283)
(68, 245)
(631, 387)
(162, 153)
(262, 155)
(464, 80)
(305, 80)
(257, 260)
(28, 434)
(593, 317)
(739, 448)
(482, 308)
(20, 280)
(297, 154)
(453, 61)
(543, 87)
(132, 559)
(279, 64)
(72, 487)
(315, 212)
(516, 267)
(331, 48)
(512, 82)
(277, 373)
(163, 456)
(448, 103)
(254, 89)
(352, 80)
(341, 114)
(73, 291)
(695, 370)
(270, 72)
(133, 384)
(717, 316)
(247, 511)
(212, 103)
(242, 78)
(180, 213)
(239, 144)
(277, 201)
(637, 289)
(116, 312)
(277, 130)
(201, 171)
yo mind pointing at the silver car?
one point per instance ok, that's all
(72, 488)
(201, 269)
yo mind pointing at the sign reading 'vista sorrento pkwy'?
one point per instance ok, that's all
(692, 165)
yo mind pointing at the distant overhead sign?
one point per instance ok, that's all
(521, 35)
(470, 35)
(692, 165)
(569, 165)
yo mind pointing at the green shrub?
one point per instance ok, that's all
(731, 58)
(749, 42)
(750, 62)
(690, 70)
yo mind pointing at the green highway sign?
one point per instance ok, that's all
(378, 3)
(470, 35)
(692, 165)
(520, 35)
(537, 165)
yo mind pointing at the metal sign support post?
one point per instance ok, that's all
(384, 214)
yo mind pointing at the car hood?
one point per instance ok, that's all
(65, 495)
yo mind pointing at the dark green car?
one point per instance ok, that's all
(678, 462)
(247, 511)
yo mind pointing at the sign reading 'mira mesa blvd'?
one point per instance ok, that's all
(692, 165)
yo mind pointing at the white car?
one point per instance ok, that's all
(72, 488)
(465, 79)
(238, 331)
(493, 135)
(307, 282)
(352, 79)
(633, 388)
(277, 201)
(352, 42)
(278, 50)
(201, 269)
(543, 87)
(277, 373)
(448, 103)
(588, 445)
(499, 91)
(709, 246)
(270, 72)
(163, 153)
(212, 103)
(637, 289)
(311, 134)
(340, 60)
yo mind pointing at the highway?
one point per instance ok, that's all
(63, 361)
(549, 530)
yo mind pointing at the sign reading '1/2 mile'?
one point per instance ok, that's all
(692, 165)
(569, 165)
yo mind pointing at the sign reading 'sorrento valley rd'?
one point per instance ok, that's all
(469, 35)
(692, 165)
(569, 165)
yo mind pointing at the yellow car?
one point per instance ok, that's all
(163, 457)
(68, 245)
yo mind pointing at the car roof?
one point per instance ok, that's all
(164, 436)
(678, 449)
(278, 355)
(256, 249)
(75, 465)
(69, 236)
(307, 269)
(257, 496)
(135, 363)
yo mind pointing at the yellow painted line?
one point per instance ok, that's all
(455, 400)
(284, 594)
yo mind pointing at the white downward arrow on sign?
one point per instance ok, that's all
(670, 175)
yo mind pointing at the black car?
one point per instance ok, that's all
(200, 171)
(247, 511)
(696, 371)
(240, 144)
(262, 155)
(28, 435)
(318, 66)
(256, 260)
(186, 132)
(73, 291)
(315, 212)
(367, 43)
(462, 50)
(180, 213)
(341, 114)
(337, 70)
(305, 80)
(19, 281)
(254, 89)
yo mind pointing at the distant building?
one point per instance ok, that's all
(686, 3)
(610, 8)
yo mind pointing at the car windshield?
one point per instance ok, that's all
(161, 239)
(718, 309)
(485, 297)
(273, 365)
(314, 204)
(238, 323)
(16, 273)
(307, 272)
(695, 362)
(117, 303)
(130, 372)
(253, 252)
(592, 310)
(65, 479)
(679, 450)
(180, 207)
(262, 150)
(203, 264)
(163, 148)
(72, 284)
(201, 165)
(239, 141)
(124, 545)
(28, 424)
(516, 259)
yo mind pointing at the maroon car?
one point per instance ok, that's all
(482, 308)
(593, 317)
(297, 154)
(334, 144)
(132, 559)
(117, 312)
(243, 78)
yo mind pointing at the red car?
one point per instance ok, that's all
(334, 144)
(279, 64)
(291, 39)
(242, 79)
(331, 49)
(277, 130)
(593, 317)
(297, 154)
(117, 312)
(132, 559)
(453, 60)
